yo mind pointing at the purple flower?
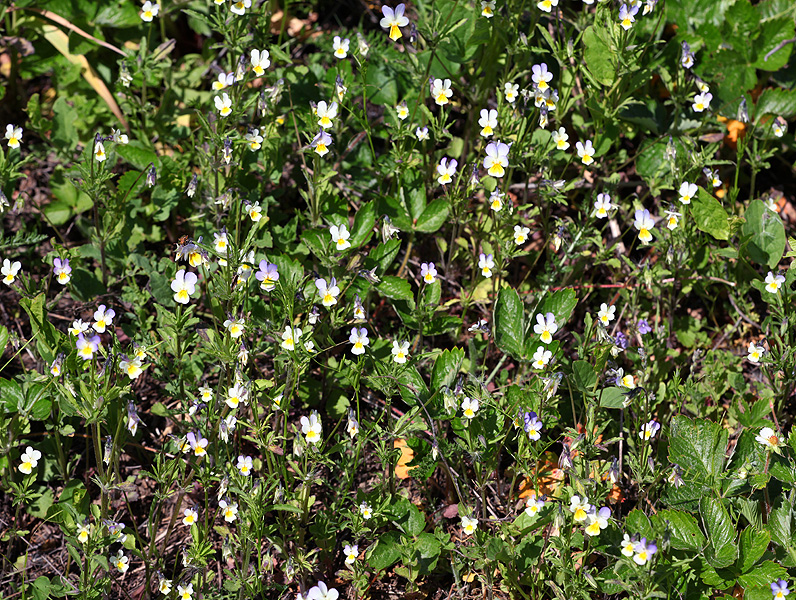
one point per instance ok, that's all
(62, 270)
(780, 588)
(87, 347)
(621, 340)
(268, 275)
(532, 425)
(643, 327)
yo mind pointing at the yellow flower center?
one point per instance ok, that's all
(395, 32)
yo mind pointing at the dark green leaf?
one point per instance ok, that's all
(683, 530)
(364, 221)
(446, 368)
(612, 397)
(584, 376)
(721, 551)
(509, 323)
(599, 55)
(698, 447)
(752, 547)
(433, 217)
(767, 233)
(397, 288)
(710, 216)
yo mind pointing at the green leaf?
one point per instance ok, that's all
(433, 217)
(599, 56)
(683, 530)
(384, 254)
(561, 304)
(138, 155)
(721, 551)
(637, 522)
(698, 447)
(4, 337)
(752, 547)
(780, 524)
(767, 243)
(446, 368)
(397, 288)
(762, 576)
(11, 396)
(776, 102)
(710, 216)
(509, 323)
(364, 221)
(64, 118)
(584, 376)
(612, 397)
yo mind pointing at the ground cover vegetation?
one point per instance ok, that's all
(445, 299)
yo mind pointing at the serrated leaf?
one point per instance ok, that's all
(767, 243)
(446, 368)
(509, 323)
(397, 288)
(721, 551)
(753, 545)
(684, 531)
(598, 56)
(364, 221)
(584, 375)
(698, 447)
(561, 304)
(710, 216)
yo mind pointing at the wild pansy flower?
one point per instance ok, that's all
(103, 318)
(687, 192)
(359, 309)
(627, 15)
(648, 430)
(340, 88)
(779, 127)
(532, 426)
(321, 143)
(402, 110)
(770, 440)
(29, 460)
(627, 545)
(99, 152)
(428, 273)
(393, 20)
(351, 553)
(254, 211)
(446, 170)
(359, 338)
(340, 46)
(191, 515)
(521, 234)
(62, 270)
(321, 591)
(533, 504)
(83, 532)
(606, 314)
(602, 205)
(543, 120)
(469, 525)
(255, 140)
(120, 561)
(365, 510)
(774, 282)
(229, 510)
(421, 133)
(488, 8)
(132, 367)
(779, 589)
(183, 286)
(755, 352)
(712, 176)
(687, 57)
(488, 122)
(649, 6)
(224, 80)
(560, 138)
(10, 270)
(362, 44)
(496, 159)
(545, 327)
(312, 428)
(260, 61)
(672, 219)
(511, 91)
(625, 381)
(239, 6)
(55, 368)
(198, 444)
(164, 586)
(340, 236)
(289, 337)
(579, 508)
(702, 101)
(149, 11)
(352, 427)
(236, 327)
(86, 348)
(470, 406)
(327, 292)
(486, 263)
(598, 520)
(644, 223)
(441, 91)
(245, 464)
(496, 200)
(223, 104)
(326, 113)
(541, 358)
(644, 551)
(585, 152)
(13, 135)
(541, 76)
(185, 592)
(547, 5)
(400, 351)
